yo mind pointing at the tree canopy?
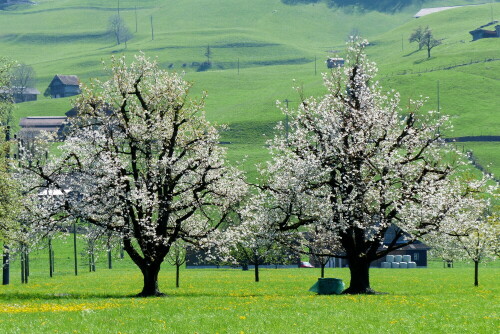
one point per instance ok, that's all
(140, 161)
(355, 164)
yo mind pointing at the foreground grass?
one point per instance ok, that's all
(432, 300)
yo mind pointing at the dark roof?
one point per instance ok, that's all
(73, 112)
(70, 80)
(485, 33)
(417, 245)
(44, 122)
(15, 90)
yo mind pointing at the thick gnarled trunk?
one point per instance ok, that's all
(150, 288)
(360, 277)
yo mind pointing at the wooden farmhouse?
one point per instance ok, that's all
(64, 86)
(415, 253)
(21, 94)
(33, 126)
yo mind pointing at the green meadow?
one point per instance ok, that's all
(423, 300)
(260, 49)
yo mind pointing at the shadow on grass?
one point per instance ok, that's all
(61, 296)
(421, 61)
(411, 53)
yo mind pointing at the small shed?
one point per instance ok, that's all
(32, 126)
(21, 94)
(64, 86)
(482, 33)
(335, 62)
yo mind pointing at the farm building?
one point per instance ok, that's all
(64, 86)
(417, 252)
(482, 33)
(32, 126)
(335, 62)
(21, 94)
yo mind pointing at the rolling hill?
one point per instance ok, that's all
(258, 48)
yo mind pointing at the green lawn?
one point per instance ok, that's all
(432, 300)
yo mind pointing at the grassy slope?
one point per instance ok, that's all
(67, 37)
(467, 93)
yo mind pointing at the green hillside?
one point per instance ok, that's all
(258, 48)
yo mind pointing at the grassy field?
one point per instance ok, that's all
(431, 300)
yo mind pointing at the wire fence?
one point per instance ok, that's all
(443, 67)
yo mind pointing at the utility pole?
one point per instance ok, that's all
(438, 98)
(491, 7)
(438, 102)
(286, 120)
(315, 65)
(152, 30)
(118, 8)
(136, 19)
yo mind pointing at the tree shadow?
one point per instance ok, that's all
(60, 296)
(421, 61)
(411, 53)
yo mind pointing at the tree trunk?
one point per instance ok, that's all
(177, 275)
(360, 276)
(150, 289)
(256, 272)
(476, 273)
(323, 270)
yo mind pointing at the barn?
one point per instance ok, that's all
(33, 126)
(21, 94)
(64, 86)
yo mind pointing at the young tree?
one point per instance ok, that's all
(23, 77)
(140, 161)
(247, 242)
(429, 41)
(417, 36)
(118, 29)
(355, 164)
(322, 245)
(479, 243)
(177, 257)
(208, 54)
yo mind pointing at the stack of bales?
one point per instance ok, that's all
(398, 261)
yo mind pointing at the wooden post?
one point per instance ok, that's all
(6, 266)
(51, 264)
(110, 263)
(74, 248)
(23, 272)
